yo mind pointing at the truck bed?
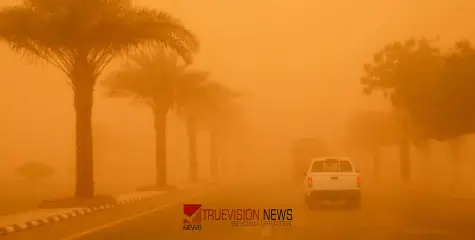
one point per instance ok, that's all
(341, 176)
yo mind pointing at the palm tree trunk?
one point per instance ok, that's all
(160, 118)
(404, 158)
(376, 163)
(426, 172)
(405, 149)
(83, 101)
(192, 147)
(214, 154)
(454, 149)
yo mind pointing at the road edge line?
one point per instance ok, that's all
(130, 218)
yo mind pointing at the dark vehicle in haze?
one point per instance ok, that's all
(303, 151)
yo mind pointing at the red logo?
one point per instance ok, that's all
(192, 213)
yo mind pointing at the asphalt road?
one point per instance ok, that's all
(381, 217)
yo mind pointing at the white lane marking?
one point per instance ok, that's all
(117, 222)
(111, 224)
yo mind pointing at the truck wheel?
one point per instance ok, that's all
(312, 204)
(354, 203)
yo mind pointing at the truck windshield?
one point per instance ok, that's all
(332, 165)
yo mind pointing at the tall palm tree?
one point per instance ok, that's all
(188, 96)
(81, 37)
(207, 105)
(224, 123)
(154, 79)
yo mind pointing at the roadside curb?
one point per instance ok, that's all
(9, 229)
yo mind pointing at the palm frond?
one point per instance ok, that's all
(123, 83)
(27, 32)
(145, 27)
(56, 31)
(211, 103)
(151, 77)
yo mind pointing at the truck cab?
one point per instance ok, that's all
(332, 179)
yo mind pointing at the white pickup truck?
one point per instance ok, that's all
(332, 179)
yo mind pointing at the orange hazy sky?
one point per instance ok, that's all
(301, 60)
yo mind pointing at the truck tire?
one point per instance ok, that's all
(354, 203)
(312, 204)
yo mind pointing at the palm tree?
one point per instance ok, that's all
(188, 97)
(153, 79)
(224, 123)
(207, 105)
(81, 37)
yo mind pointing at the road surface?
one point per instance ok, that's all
(379, 218)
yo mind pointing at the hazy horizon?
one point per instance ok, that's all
(300, 60)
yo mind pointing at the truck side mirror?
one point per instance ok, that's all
(357, 170)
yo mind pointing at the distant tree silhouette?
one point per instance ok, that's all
(430, 89)
(405, 72)
(452, 115)
(81, 37)
(452, 96)
(211, 106)
(225, 129)
(371, 130)
(156, 79)
(35, 171)
(188, 95)
(222, 123)
(303, 151)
